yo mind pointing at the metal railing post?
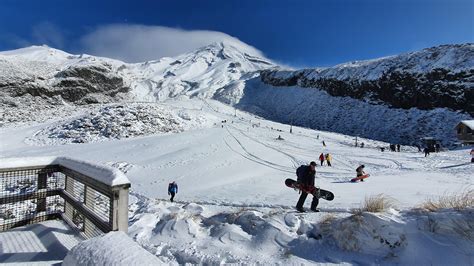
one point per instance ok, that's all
(120, 209)
(42, 185)
(68, 208)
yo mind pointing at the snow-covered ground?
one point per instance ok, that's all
(233, 205)
(44, 243)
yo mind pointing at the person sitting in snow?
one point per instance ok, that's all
(360, 171)
(172, 190)
(306, 175)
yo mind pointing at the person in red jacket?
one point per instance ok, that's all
(321, 158)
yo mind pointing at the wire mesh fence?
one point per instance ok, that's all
(30, 195)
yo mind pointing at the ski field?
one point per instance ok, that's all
(233, 207)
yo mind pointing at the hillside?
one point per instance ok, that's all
(396, 99)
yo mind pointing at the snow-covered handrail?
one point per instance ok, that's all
(90, 197)
(104, 174)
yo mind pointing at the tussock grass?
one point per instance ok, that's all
(456, 201)
(375, 203)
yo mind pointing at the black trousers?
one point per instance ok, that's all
(314, 203)
(172, 196)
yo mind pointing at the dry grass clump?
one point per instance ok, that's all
(456, 201)
(376, 203)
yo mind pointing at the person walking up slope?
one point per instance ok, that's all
(328, 159)
(321, 158)
(172, 190)
(306, 175)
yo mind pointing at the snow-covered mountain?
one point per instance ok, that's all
(399, 98)
(441, 76)
(40, 78)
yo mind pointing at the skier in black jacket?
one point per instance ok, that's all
(306, 175)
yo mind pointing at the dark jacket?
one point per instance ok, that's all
(305, 175)
(173, 188)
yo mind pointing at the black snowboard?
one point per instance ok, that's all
(317, 192)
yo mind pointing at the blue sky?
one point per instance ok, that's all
(297, 33)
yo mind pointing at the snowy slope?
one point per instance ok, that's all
(234, 208)
(317, 109)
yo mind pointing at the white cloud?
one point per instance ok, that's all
(48, 33)
(138, 43)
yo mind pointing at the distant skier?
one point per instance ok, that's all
(437, 147)
(172, 190)
(426, 151)
(305, 176)
(362, 144)
(328, 159)
(398, 147)
(324, 144)
(321, 158)
(472, 155)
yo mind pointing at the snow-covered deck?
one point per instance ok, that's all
(43, 243)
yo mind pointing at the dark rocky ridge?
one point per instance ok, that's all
(399, 85)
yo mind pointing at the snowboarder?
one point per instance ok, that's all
(324, 144)
(472, 155)
(360, 172)
(328, 159)
(398, 147)
(426, 151)
(321, 158)
(382, 149)
(172, 190)
(305, 176)
(279, 137)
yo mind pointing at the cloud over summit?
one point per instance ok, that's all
(138, 43)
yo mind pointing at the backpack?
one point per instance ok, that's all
(301, 173)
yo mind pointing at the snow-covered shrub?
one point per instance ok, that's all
(447, 222)
(119, 122)
(365, 232)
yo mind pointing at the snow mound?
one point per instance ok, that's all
(114, 248)
(178, 233)
(119, 122)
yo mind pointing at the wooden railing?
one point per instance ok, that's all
(90, 204)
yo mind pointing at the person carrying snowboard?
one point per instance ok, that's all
(360, 172)
(305, 177)
(321, 158)
(328, 159)
(172, 190)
